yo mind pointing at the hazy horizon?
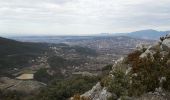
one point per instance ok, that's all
(81, 17)
(97, 34)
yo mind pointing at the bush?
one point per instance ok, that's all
(10, 95)
(119, 85)
(148, 74)
(65, 89)
(57, 62)
(143, 78)
(107, 67)
(42, 76)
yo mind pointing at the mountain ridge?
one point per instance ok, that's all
(148, 34)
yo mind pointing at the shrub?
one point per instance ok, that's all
(43, 76)
(65, 89)
(119, 83)
(10, 95)
(107, 67)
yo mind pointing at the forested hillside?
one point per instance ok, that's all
(17, 54)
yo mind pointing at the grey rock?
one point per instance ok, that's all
(156, 47)
(97, 93)
(148, 52)
(168, 62)
(166, 45)
(142, 47)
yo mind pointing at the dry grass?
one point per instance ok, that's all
(25, 77)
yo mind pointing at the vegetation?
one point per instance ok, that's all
(65, 89)
(42, 76)
(107, 67)
(81, 50)
(57, 62)
(149, 73)
(16, 54)
(144, 76)
(119, 85)
(10, 95)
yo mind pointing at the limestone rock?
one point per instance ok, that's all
(141, 47)
(168, 62)
(148, 52)
(97, 93)
(166, 44)
(156, 47)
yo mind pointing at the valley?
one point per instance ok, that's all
(84, 50)
(39, 63)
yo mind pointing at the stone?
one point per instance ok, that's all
(166, 45)
(148, 52)
(97, 93)
(156, 47)
(141, 47)
(168, 62)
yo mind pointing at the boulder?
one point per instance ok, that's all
(166, 44)
(97, 93)
(141, 47)
(168, 62)
(152, 50)
(156, 47)
(149, 51)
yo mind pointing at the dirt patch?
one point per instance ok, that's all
(26, 77)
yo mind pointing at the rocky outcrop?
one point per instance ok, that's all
(163, 47)
(151, 50)
(142, 46)
(97, 93)
(168, 62)
(166, 44)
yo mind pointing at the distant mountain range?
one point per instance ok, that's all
(147, 34)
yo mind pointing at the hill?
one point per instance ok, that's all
(10, 47)
(16, 54)
(148, 34)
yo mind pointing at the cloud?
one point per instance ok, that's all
(82, 16)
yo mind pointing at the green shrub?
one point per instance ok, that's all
(64, 89)
(42, 76)
(119, 84)
(10, 95)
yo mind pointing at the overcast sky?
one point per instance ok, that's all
(62, 17)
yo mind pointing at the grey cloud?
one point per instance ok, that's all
(82, 16)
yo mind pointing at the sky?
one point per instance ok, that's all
(78, 17)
